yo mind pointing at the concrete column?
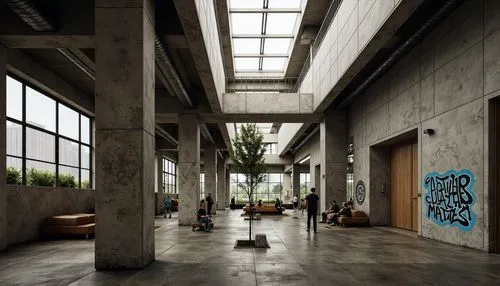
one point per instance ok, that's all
(125, 128)
(188, 167)
(210, 170)
(296, 179)
(159, 181)
(333, 157)
(3, 167)
(287, 184)
(221, 185)
(227, 188)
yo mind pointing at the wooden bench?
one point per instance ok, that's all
(358, 218)
(264, 209)
(69, 225)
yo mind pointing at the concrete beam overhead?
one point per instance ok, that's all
(48, 41)
(272, 103)
(164, 118)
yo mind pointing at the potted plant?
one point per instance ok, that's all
(13, 176)
(248, 159)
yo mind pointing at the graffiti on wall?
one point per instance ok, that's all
(450, 197)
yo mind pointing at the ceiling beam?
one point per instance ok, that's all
(164, 118)
(262, 56)
(266, 36)
(48, 41)
(265, 10)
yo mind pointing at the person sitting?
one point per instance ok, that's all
(344, 211)
(259, 204)
(203, 217)
(350, 204)
(277, 204)
(334, 208)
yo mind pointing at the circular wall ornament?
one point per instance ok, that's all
(360, 192)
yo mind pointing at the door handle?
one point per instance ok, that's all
(414, 198)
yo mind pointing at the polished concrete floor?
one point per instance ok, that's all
(333, 256)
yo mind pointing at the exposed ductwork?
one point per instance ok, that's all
(27, 11)
(171, 75)
(404, 48)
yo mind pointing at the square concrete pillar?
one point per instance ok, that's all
(221, 185)
(210, 171)
(188, 167)
(333, 157)
(228, 187)
(159, 183)
(287, 184)
(124, 108)
(296, 180)
(3, 167)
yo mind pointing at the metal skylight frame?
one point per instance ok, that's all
(268, 59)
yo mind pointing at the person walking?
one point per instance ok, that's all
(167, 205)
(210, 203)
(312, 201)
(295, 202)
(233, 203)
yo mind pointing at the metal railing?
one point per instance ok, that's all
(262, 85)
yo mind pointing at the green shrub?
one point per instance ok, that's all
(85, 184)
(40, 178)
(14, 176)
(67, 181)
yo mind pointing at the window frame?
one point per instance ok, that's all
(169, 176)
(24, 125)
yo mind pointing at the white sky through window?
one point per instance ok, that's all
(263, 33)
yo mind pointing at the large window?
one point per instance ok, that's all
(169, 176)
(202, 186)
(305, 184)
(271, 148)
(48, 143)
(267, 191)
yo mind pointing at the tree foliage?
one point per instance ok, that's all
(248, 157)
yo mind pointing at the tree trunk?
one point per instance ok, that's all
(250, 220)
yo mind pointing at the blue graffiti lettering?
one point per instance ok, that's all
(450, 197)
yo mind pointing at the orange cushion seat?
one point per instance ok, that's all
(70, 220)
(358, 218)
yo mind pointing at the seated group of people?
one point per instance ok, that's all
(334, 211)
(204, 217)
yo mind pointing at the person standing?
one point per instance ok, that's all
(167, 205)
(210, 203)
(312, 201)
(295, 202)
(233, 203)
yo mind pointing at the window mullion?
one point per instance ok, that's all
(23, 131)
(57, 144)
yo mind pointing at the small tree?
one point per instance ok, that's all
(248, 158)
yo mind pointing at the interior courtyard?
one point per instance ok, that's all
(109, 109)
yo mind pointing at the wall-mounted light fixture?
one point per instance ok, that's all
(429, 131)
(305, 159)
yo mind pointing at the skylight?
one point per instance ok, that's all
(262, 33)
(263, 127)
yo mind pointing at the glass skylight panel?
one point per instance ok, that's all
(277, 46)
(281, 23)
(251, 22)
(246, 23)
(283, 3)
(273, 64)
(246, 3)
(246, 46)
(246, 64)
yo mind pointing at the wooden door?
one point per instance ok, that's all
(404, 202)
(495, 189)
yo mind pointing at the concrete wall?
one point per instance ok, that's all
(444, 84)
(208, 23)
(354, 25)
(28, 206)
(286, 133)
(267, 103)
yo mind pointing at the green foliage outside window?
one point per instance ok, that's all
(67, 181)
(36, 177)
(14, 176)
